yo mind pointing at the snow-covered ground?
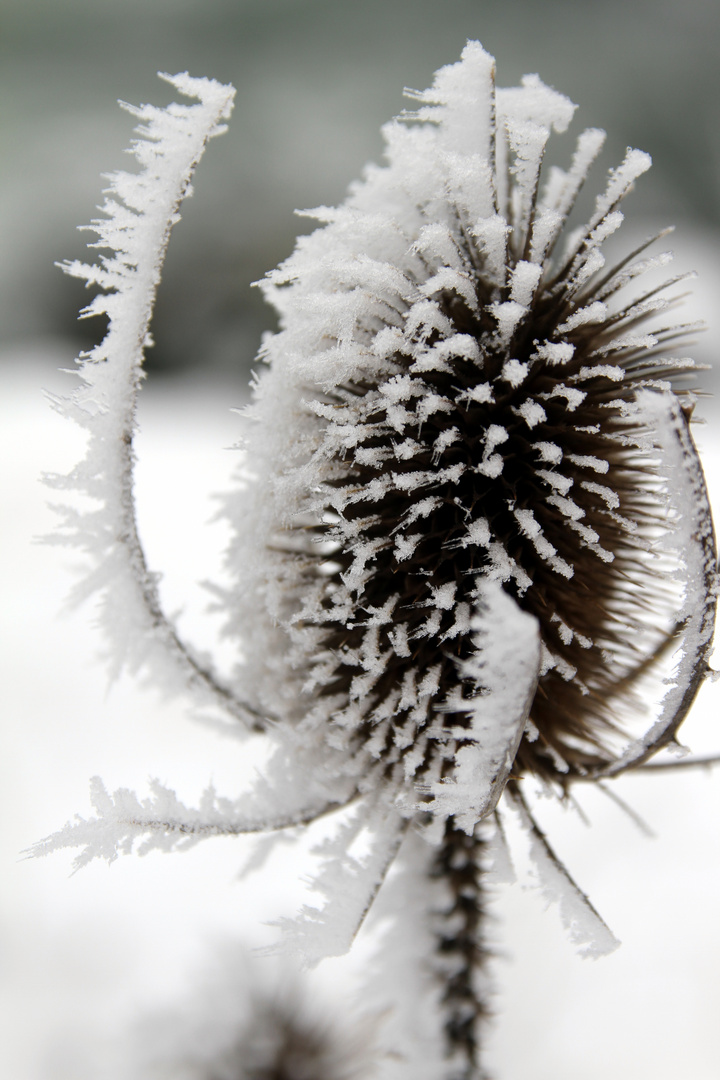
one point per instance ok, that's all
(84, 957)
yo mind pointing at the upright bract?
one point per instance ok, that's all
(475, 541)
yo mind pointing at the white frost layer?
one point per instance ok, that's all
(348, 881)
(586, 929)
(505, 669)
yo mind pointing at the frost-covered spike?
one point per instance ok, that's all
(440, 245)
(595, 312)
(546, 227)
(534, 102)
(567, 634)
(585, 267)
(426, 317)
(349, 882)
(524, 282)
(561, 192)
(620, 182)
(508, 315)
(587, 930)
(554, 352)
(549, 453)
(573, 397)
(139, 214)
(527, 142)
(163, 822)
(589, 461)
(623, 343)
(532, 413)
(527, 113)
(530, 528)
(590, 540)
(609, 497)
(592, 372)
(462, 100)
(377, 279)
(504, 670)
(694, 538)
(491, 235)
(449, 280)
(630, 267)
(567, 507)
(556, 480)
(650, 304)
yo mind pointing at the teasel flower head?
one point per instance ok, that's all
(476, 529)
(473, 541)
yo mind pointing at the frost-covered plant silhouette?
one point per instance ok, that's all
(475, 541)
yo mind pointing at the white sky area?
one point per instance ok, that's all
(84, 958)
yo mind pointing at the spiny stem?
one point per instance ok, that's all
(461, 951)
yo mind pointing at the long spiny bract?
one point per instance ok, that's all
(139, 212)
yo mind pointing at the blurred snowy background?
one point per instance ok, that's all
(315, 80)
(82, 959)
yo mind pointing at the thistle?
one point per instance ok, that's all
(475, 540)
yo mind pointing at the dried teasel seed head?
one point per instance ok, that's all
(478, 528)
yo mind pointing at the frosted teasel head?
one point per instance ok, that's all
(478, 527)
(476, 543)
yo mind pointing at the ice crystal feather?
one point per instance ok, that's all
(475, 540)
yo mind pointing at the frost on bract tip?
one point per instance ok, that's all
(475, 540)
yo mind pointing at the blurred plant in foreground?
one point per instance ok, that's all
(472, 540)
(244, 1023)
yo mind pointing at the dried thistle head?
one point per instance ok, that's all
(478, 523)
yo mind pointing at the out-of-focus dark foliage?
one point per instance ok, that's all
(315, 79)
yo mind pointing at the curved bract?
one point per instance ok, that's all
(139, 212)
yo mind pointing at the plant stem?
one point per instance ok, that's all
(461, 951)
